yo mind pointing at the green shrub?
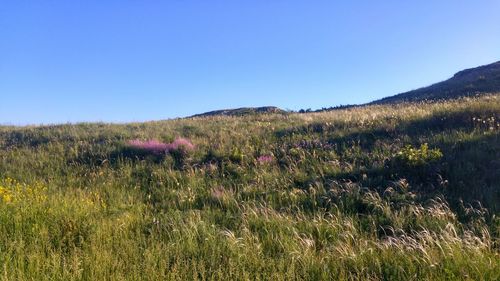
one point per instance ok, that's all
(414, 157)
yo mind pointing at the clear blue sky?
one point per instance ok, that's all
(119, 60)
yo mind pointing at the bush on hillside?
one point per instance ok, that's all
(419, 165)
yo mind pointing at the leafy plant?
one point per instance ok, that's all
(414, 157)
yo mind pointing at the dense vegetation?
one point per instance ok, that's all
(398, 192)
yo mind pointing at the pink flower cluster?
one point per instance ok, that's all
(181, 143)
(264, 159)
(157, 147)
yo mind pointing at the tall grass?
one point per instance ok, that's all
(406, 192)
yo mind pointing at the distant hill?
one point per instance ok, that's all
(241, 111)
(479, 80)
(482, 79)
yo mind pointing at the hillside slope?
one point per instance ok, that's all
(479, 80)
(380, 192)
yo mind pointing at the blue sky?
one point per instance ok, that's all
(119, 60)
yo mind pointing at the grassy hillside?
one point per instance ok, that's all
(468, 82)
(382, 192)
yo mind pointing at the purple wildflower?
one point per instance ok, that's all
(181, 143)
(157, 147)
(152, 146)
(264, 159)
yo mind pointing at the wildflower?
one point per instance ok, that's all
(157, 147)
(419, 156)
(12, 191)
(7, 198)
(152, 146)
(265, 159)
(181, 144)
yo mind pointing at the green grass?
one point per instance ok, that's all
(384, 192)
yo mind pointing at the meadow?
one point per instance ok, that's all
(382, 192)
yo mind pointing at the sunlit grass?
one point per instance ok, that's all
(385, 192)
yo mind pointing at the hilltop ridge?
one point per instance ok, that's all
(472, 81)
(241, 111)
(478, 80)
